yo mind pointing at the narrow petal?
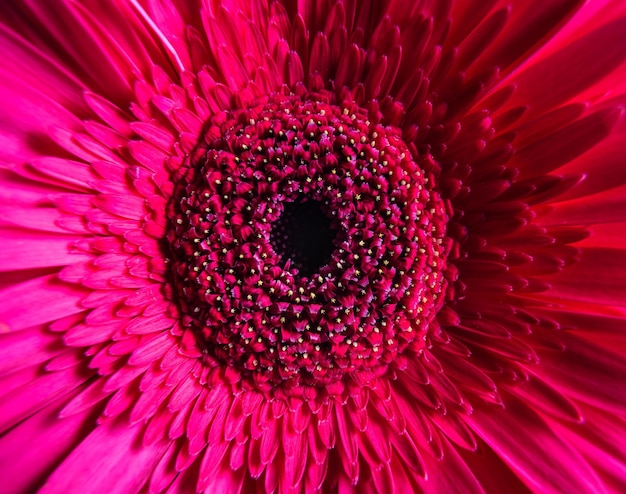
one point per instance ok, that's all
(102, 459)
(539, 454)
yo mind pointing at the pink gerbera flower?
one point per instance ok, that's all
(312, 247)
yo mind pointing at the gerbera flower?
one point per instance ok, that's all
(312, 247)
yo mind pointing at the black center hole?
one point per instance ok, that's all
(303, 234)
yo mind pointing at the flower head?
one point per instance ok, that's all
(255, 285)
(332, 246)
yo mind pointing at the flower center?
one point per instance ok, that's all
(306, 243)
(304, 236)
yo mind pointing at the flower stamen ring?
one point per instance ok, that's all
(252, 295)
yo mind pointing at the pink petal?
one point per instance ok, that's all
(42, 219)
(571, 70)
(38, 301)
(37, 343)
(108, 460)
(28, 399)
(538, 455)
(22, 467)
(585, 371)
(597, 277)
(23, 250)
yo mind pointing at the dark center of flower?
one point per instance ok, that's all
(307, 244)
(304, 236)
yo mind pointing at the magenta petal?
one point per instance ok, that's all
(539, 454)
(581, 374)
(552, 151)
(102, 459)
(33, 250)
(596, 277)
(32, 396)
(39, 344)
(41, 219)
(459, 479)
(23, 467)
(527, 26)
(573, 69)
(169, 171)
(37, 301)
